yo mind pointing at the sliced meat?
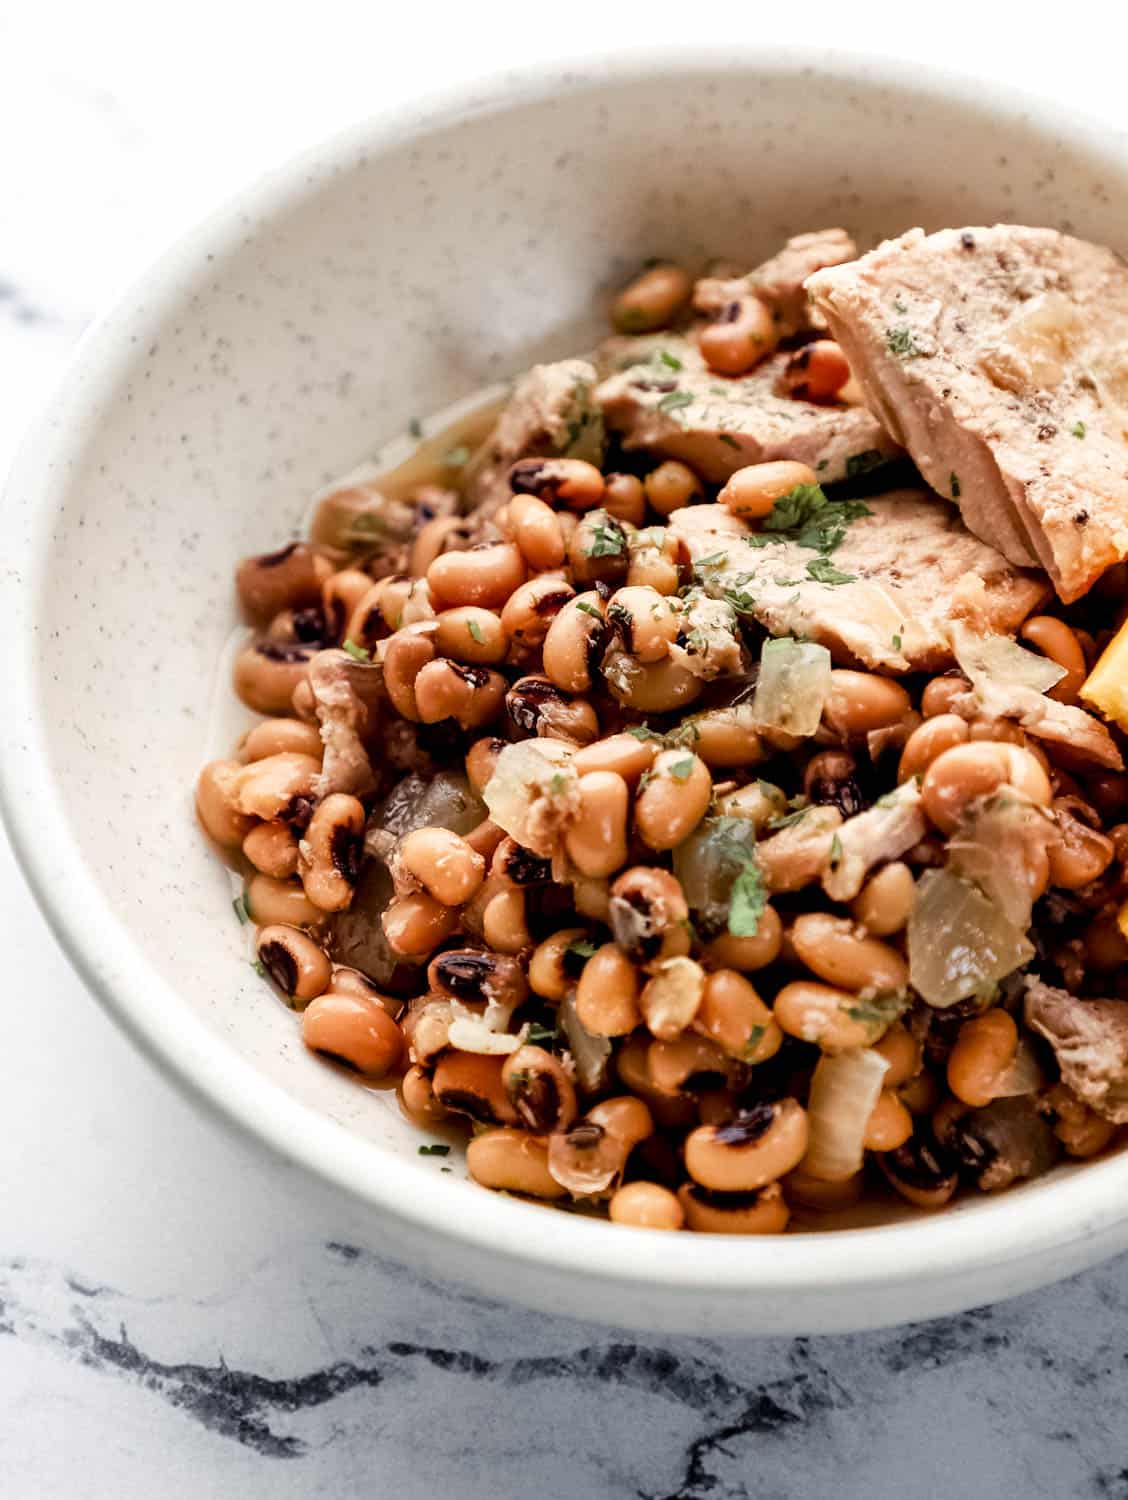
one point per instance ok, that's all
(883, 832)
(549, 415)
(999, 358)
(904, 572)
(667, 402)
(1044, 718)
(779, 281)
(346, 694)
(1090, 1042)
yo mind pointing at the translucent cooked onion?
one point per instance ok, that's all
(844, 1090)
(959, 940)
(793, 686)
(443, 801)
(708, 865)
(591, 1054)
(997, 661)
(470, 1032)
(532, 792)
(997, 847)
(1024, 1076)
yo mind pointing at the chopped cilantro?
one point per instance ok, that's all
(822, 570)
(675, 400)
(1078, 429)
(747, 901)
(788, 820)
(879, 1011)
(607, 541)
(358, 653)
(954, 484)
(643, 732)
(582, 948)
(475, 630)
(899, 306)
(558, 784)
(714, 560)
(259, 968)
(810, 519)
(727, 438)
(415, 427)
(681, 769)
(755, 1037)
(539, 1035)
(835, 852)
(796, 508)
(434, 1150)
(239, 905)
(859, 463)
(896, 643)
(454, 458)
(671, 361)
(900, 341)
(588, 609)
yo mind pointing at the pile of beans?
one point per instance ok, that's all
(559, 624)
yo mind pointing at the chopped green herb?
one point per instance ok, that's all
(720, 390)
(810, 519)
(896, 643)
(728, 439)
(434, 1150)
(887, 799)
(681, 769)
(671, 361)
(475, 630)
(747, 901)
(788, 820)
(632, 320)
(1078, 429)
(607, 541)
(446, 1169)
(787, 583)
(900, 341)
(714, 560)
(558, 784)
(954, 484)
(755, 1037)
(860, 463)
(588, 609)
(643, 732)
(822, 570)
(880, 1011)
(415, 428)
(358, 653)
(259, 968)
(240, 908)
(581, 947)
(899, 306)
(675, 400)
(454, 458)
(540, 1035)
(835, 852)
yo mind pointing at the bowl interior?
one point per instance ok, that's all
(380, 280)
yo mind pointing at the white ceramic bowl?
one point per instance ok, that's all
(380, 277)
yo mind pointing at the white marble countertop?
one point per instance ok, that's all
(179, 1315)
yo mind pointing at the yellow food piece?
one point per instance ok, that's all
(1106, 687)
(1122, 919)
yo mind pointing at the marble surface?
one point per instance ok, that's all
(179, 1315)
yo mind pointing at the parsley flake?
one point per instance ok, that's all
(540, 1035)
(558, 784)
(358, 653)
(1078, 429)
(805, 516)
(675, 400)
(900, 341)
(714, 560)
(822, 570)
(434, 1150)
(239, 906)
(671, 361)
(476, 631)
(896, 643)
(859, 463)
(747, 901)
(681, 769)
(954, 484)
(643, 732)
(259, 968)
(582, 948)
(588, 609)
(755, 1037)
(415, 428)
(454, 458)
(607, 541)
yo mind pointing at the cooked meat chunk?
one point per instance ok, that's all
(883, 832)
(899, 576)
(1090, 1042)
(1044, 718)
(779, 281)
(345, 694)
(999, 358)
(666, 402)
(549, 415)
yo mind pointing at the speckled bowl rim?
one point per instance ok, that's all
(1087, 1205)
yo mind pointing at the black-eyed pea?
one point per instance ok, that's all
(470, 1083)
(571, 482)
(477, 977)
(513, 864)
(672, 486)
(529, 612)
(624, 498)
(966, 773)
(512, 1161)
(1079, 852)
(443, 863)
(860, 702)
(273, 849)
(816, 372)
(739, 337)
(536, 531)
(417, 1098)
(470, 634)
(403, 658)
(575, 642)
(921, 1170)
(484, 575)
(747, 954)
(762, 1212)
(1080, 1129)
(540, 1089)
(673, 799)
(758, 802)
(646, 1205)
(1054, 638)
(833, 949)
(628, 755)
(481, 758)
(267, 673)
(726, 738)
(757, 1147)
(733, 1015)
(340, 595)
(920, 1095)
(485, 838)
(672, 996)
(415, 925)
(598, 551)
(472, 696)
(505, 923)
(217, 790)
(536, 706)
(649, 915)
(930, 739)
(330, 854)
(279, 737)
(652, 300)
(940, 695)
(355, 1031)
(902, 1052)
(272, 787)
(596, 842)
(270, 901)
(557, 963)
(288, 579)
(299, 967)
(981, 1058)
(346, 981)
(607, 993)
(426, 1029)
(590, 1157)
(890, 1124)
(650, 688)
(645, 622)
(753, 491)
(883, 904)
(443, 534)
(686, 1065)
(832, 1018)
(592, 897)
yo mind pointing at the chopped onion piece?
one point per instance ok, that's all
(959, 940)
(1024, 1076)
(793, 686)
(844, 1090)
(997, 847)
(532, 793)
(996, 659)
(473, 1033)
(444, 801)
(591, 1054)
(708, 865)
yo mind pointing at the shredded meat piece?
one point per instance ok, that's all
(1090, 1042)
(346, 693)
(883, 832)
